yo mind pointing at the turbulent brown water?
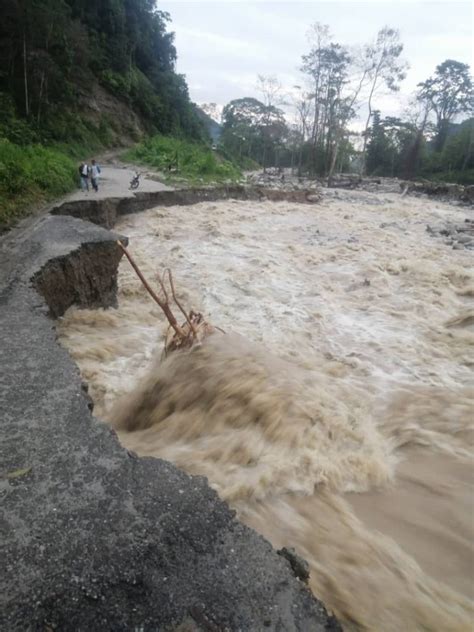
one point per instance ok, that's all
(337, 415)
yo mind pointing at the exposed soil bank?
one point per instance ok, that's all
(96, 538)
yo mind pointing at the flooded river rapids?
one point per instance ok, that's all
(335, 415)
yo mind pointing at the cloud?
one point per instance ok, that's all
(222, 46)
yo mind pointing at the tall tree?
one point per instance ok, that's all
(389, 145)
(335, 83)
(378, 150)
(347, 104)
(417, 115)
(302, 104)
(313, 66)
(270, 88)
(251, 128)
(448, 93)
(385, 69)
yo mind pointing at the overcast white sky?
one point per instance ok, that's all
(222, 46)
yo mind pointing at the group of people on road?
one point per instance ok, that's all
(91, 171)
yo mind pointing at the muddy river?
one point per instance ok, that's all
(335, 415)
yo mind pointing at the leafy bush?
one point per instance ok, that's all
(116, 83)
(16, 130)
(192, 161)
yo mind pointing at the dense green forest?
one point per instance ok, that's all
(77, 76)
(56, 56)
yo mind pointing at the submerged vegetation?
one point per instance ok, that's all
(180, 159)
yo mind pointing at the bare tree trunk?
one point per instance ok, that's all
(341, 162)
(469, 148)
(333, 164)
(337, 142)
(40, 96)
(25, 76)
(316, 127)
(44, 80)
(300, 161)
(410, 165)
(340, 130)
(315, 134)
(367, 123)
(364, 148)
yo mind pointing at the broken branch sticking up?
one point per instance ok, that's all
(184, 336)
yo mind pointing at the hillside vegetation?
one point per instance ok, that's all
(77, 76)
(62, 60)
(182, 159)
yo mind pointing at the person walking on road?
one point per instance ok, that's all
(95, 172)
(84, 175)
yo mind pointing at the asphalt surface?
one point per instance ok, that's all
(114, 181)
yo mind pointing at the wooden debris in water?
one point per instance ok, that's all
(195, 328)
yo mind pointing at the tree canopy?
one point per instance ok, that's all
(447, 93)
(253, 130)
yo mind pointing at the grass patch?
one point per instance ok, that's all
(29, 175)
(38, 164)
(183, 160)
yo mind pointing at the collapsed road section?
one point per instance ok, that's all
(106, 211)
(94, 537)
